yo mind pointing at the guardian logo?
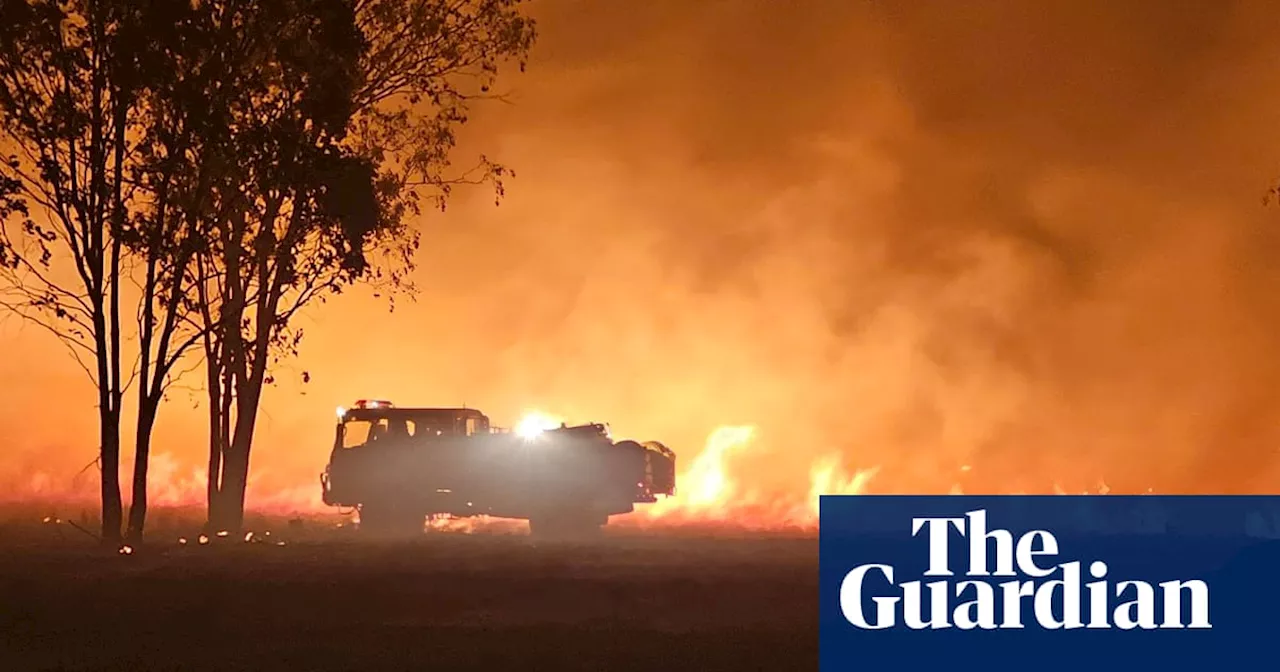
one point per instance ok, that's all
(1048, 583)
(1035, 580)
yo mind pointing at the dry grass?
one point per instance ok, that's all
(326, 600)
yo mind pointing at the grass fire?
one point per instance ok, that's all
(649, 277)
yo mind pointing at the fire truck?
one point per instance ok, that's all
(399, 466)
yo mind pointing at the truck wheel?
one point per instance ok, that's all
(385, 520)
(566, 527)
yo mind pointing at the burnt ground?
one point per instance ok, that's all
(449, 601)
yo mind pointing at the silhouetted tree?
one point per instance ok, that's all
(345, 118)
(183, 164)
(67, 98)
(104, 106)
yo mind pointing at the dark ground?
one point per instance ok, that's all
(326, 601)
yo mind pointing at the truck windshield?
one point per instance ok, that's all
(356, 432)
(359, 432)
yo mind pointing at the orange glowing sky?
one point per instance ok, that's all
(1014, 248)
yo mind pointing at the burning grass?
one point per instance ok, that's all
(713, 497)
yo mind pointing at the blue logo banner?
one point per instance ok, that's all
(1057, 582)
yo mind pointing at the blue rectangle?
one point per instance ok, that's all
(1224, 552)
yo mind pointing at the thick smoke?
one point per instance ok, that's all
(1010, 246)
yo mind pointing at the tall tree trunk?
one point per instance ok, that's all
(235, 470)
(146, 411)
(219, 410)
(113, 308)
(215, 369)
(235, 480)
(141, 461)
(215, 456)
(108, 426)
(221, 383)
(112, 510)
(235, 467)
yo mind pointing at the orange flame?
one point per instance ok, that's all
(707, 492)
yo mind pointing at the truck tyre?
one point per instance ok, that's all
(389, 521)
(566, 526)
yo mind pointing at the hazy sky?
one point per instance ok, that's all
(1024, 237)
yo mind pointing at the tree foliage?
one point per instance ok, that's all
(346, 123)
(206, 170)
(73, 75)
